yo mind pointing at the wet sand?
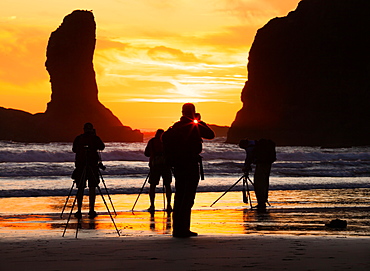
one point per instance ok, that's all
(231, 237)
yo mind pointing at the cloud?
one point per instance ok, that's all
(7, 19)
(173, 100)
(22, 54)
(106, 43)
(254, 13)
(163, 53)
(232, 38)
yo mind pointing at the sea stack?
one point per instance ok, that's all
(309, 77)
(74, 98)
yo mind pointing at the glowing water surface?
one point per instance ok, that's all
(291, 212)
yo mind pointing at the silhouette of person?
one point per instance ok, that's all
(261, 153)
(158, 168)
(183, 144)
(86, 147)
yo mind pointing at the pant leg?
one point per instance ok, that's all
(261, 182)
(186, 183)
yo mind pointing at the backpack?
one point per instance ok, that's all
(179, 147)
(264, 151)
(171, 145)
(159, 161)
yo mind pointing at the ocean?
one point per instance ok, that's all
(309, 186)
(39, 169)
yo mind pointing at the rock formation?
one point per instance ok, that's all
(74, 98)
(309, 77)
(220, 131)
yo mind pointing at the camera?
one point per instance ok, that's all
(101, 166)
(196, 118)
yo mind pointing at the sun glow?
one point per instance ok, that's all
(150, 56)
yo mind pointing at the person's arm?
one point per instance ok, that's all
(100, 144)
(249, 159)
(148, 149)
(75, 144)
(205, 131)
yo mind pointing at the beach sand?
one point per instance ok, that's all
(231, 237)
(250, 252)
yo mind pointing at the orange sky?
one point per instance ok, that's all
(151, 56)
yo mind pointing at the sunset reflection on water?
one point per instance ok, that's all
(298, 212)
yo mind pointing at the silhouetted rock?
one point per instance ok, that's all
(74, 98)
(220, 131)
(15, 124)
(308, 77)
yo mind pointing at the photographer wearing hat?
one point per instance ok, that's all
(86, 147)
(182, 145)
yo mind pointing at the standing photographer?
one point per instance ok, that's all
(86, 147)
(158, 168)
(182, 145)
(262, 153)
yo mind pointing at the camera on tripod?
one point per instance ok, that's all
(101, 166)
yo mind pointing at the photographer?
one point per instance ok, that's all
(182, 145)
(158, 168)
(87, 163)
(262, 153)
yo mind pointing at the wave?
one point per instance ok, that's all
(212, 151)
(56, 159)
(61, 187)
(211, 168)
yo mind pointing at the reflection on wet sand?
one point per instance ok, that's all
(160, 222)
(289, 214)
(206, 222)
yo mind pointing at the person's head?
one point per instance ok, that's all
(245, 143)
(88, 127)
(188, 110)
(159, 133)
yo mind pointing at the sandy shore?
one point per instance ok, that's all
(249, 252)
(231, 238)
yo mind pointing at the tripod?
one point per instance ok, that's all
(141, 190)
(81, 186)
(246, 198)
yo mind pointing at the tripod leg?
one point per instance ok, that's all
(106, 190)
(108, 210)
(141, 190)
(79, 217)
(249, 194)
(69, 217)
(78, 226)
(83, 175)
(70, 192)
(253, 186)
(227, 191)
(245, 198)
(164, 199)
